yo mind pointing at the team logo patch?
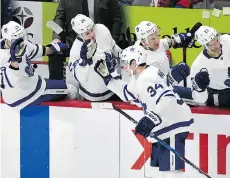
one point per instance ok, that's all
(83, 20)
(132, 49)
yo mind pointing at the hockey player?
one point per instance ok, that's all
(148, 36)
(89, 46)
(210, 72)
(20, 85)
(165, 114)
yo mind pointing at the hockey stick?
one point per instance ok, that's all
(59, 31)
(162, 143)
(189, 45)
(111, 106)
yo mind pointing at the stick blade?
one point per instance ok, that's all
(55, 27)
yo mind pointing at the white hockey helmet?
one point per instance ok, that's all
(81, 24)
(205, 34)
(144, 29)
(135, 52)
(12, 31)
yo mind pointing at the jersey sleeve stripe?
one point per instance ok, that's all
(24, 51)
(36, 52)
(31, 54)
(75, 75)
(133, 98)
(7, 79)
(164, 94)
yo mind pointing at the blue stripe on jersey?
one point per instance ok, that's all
(31, 53)
(24, 51)
(7, 79)
(75, 76)
(172, 127)
(163, 94)
(36, 52)
(94, 94)
(34, 142)
(39, 84)
(126, 91)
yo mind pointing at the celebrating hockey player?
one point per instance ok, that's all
(165, 114)
(89, 46)
(20, 85)
(210, 72)
(148, 36)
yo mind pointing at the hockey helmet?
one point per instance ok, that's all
(81, 24)
(144, 29)
(135, 52)
(12, 31)
(205, 34)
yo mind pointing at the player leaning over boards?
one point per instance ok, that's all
(165, 114)
(89, 46)
(148, 35)
(210, 72)
(20, 85)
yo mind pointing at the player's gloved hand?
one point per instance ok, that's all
(110, 62)
(106, 68)
(17, 50)
(201, 81)
(182, 39)
(88, 50)
(147, 123)
(58, 46)
(178, 73)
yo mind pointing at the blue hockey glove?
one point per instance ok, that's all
(178, 73)
(58, 46)
(201, 81)
(182, 39)
(147, 123)
(88, 50)
(110, 63)
(17, 50)
(106, 68)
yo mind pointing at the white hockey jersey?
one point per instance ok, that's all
(91, 85)
(21, 87)
(159, 57)
(151, 90)
(218, 68)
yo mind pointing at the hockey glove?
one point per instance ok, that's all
(101, 68)
(57, 46)
(88, 50)
(106, 68)
(178, 73)
(147, 123)
(201, 81)
(182, 39)
(17, 50)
